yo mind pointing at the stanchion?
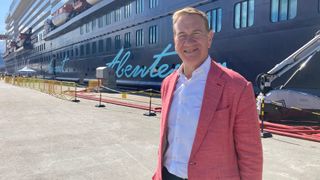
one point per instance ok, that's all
(150, 113)
(263, 133)
(100, 105)
(75, 94)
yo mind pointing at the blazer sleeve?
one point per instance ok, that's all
(247, 136)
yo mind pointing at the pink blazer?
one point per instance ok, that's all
(227, 145)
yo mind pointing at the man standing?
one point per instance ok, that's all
(209, 124)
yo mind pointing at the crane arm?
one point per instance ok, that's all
(303, 54)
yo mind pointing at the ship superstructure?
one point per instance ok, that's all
(68, 40)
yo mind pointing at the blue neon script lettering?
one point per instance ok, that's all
(60, 68)
(118, 63)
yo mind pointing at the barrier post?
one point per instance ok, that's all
(99, 86)
(75, 94)
(263, 133)
(149, 113)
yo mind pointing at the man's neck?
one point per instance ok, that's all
(187, 71)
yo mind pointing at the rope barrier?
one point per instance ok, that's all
(70, 91)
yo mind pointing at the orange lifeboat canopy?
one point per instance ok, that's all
(80, 5)
(62, 14)
(93, 2)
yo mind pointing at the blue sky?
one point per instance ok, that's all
(4, 9)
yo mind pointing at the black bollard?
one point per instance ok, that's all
(263, 133)
(100, 105)
(149, 113)
(75, 94)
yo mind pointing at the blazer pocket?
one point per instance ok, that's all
(220, 120)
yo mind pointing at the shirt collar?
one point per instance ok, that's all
(201, 71)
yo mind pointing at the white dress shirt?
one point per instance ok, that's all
(183, 118)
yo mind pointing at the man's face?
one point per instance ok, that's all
(192, 40)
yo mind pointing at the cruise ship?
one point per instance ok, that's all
(69, 39)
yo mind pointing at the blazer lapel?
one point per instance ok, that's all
(213, 91)
(166, 107)
(168, 98)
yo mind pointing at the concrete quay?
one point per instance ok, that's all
(46, 138)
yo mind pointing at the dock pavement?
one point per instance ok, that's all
(46, 138)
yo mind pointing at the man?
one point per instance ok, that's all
(209, 124)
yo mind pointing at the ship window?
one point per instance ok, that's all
(81, 50)
(77, 51)
(100, 22)
(117, 15)
(108, 44)
(153, 34)
(117, 41)
(127, 10)
(282, 10)
(244, 14)
(81, 30)
(153, 3)
(68, 55)
(214, 19)
(139, 37)
(64, 54)
(94, 47)
(88, 27)
(127, 43)
(87, 48)
(71, 53)
(94, 24)
(100, 45)
(109, 18)
(139, 6)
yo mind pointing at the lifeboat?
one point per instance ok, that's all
(80, 5)
(22, 38)
(93, 2)
(61, 15)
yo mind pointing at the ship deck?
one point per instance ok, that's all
(43, 137)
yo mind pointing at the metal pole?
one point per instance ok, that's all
(100, 105)
(263, 133)
(75, 94)
(150, 113)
